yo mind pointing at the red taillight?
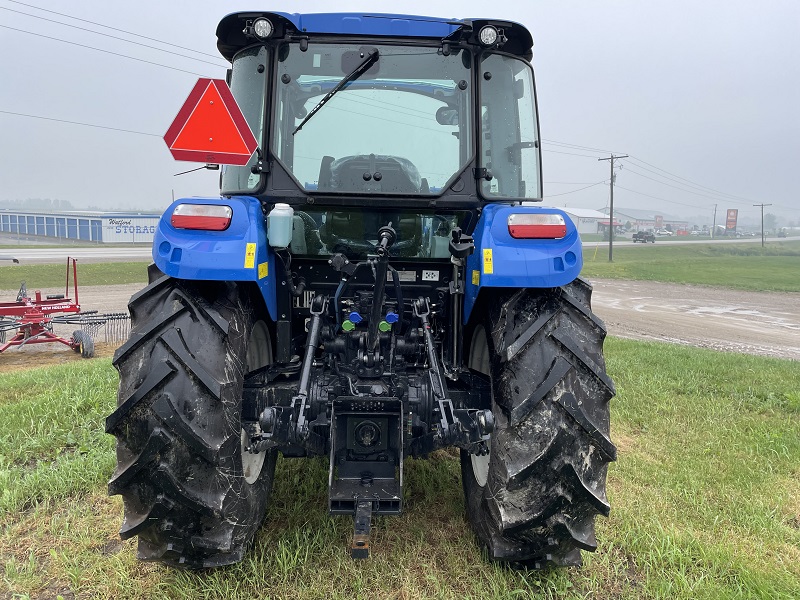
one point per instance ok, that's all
(211, 217)
(537, 226)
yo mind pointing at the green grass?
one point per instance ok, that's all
(705, 500)
(592, 237)
(741, 266)
(54, 276)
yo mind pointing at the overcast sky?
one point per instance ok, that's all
(703, 94)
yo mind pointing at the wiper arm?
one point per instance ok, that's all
(362, 68)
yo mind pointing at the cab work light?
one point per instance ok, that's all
(262, 28)
(537, 226)
(488, 35)
(211, 217)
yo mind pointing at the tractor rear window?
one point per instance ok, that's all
(399, 126)
(510, 140)
(247, 85)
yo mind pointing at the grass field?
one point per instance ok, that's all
(705, 500)
(739, 266)
(49, 276)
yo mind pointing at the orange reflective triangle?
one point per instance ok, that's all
(211, 127)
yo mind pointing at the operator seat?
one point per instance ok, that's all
(365, 173)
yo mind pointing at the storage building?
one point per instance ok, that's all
(88, 226)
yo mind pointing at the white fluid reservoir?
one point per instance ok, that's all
(279, 225)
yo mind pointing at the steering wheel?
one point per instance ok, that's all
(359, 247)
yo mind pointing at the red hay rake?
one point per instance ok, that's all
(33, 320)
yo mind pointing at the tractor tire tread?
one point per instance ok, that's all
(155, 378)
(178, 431)
(551, 445)
(160, 508)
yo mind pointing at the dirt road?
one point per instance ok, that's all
(763, 323)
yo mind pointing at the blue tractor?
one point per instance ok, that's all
(377, 283)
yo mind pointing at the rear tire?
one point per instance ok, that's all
(534, 498)
(192, 491)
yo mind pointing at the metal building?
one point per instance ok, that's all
(88, 226)
(586, 220)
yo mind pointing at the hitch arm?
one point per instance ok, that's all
(280, 425)
(467, 429)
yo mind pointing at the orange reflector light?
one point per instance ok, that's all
(211, 217)
(537, 226)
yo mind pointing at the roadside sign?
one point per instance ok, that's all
(210, 127)
(730, 221)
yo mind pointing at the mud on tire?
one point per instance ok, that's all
(534, 499)
(191, 492)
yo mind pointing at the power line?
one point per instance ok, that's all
(114, 37)
(8, 112)
(570, 153)
(674, 186)
(662, 199)
(677, 180)
(717, 198)
(633, 157)
(149, 62)
(578, 147)
(689, 181)
(573, 191)
(114, 28)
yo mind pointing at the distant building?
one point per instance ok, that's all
(586, 220)
(88, 226)
(647, 219)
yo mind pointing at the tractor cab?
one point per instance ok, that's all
(365, 110)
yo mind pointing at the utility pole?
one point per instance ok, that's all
(762, 221)
(611, 160)
(714, 227)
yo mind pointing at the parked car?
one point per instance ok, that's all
(663, 232)
(644, 237)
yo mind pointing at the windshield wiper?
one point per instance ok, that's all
(362, 68)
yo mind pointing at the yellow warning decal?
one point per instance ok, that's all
(250, 256)
(263, 270)
(488, 264)
(476, 278)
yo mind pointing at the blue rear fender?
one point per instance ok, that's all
(500, 260)
(240, 253)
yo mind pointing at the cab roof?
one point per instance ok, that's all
(231, 35)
